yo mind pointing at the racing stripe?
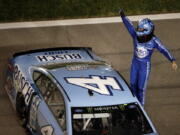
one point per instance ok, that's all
(146, 80)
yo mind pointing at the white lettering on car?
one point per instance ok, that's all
(96, 83)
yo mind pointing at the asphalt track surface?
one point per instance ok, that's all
(114, 45)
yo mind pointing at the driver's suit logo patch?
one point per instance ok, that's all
(141, 52)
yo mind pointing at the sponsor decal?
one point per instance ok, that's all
(76, 67)
(56, 52)
(22, 85)
(105, 108)
(58, 57)
(141, 52)
(97, 84)
(98, 109)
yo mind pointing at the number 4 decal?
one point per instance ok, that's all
(96, 83)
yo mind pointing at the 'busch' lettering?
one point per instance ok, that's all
(28, 95)
(22, 85)
(46, 58)
(42, 58)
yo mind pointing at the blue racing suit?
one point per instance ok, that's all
(141, 65)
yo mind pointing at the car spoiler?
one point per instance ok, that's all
(51, 49)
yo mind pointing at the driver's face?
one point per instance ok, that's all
(141, 29)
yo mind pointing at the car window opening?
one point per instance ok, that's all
(126, 119)
(52, 96)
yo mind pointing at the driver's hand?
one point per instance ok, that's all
(174, 65)
(121, 13)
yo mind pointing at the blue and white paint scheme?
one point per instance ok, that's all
(54, 85)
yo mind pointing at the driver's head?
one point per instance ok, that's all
(145, 29)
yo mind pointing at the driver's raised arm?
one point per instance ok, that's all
(128, 24)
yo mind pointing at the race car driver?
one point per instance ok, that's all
(144, 42)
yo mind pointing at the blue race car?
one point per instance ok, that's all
(71, 91)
